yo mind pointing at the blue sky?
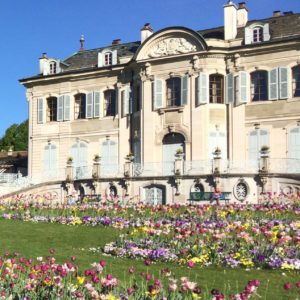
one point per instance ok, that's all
(29, 28)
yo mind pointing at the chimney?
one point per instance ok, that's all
(230, 20)
(242, 15)
(276, 13)
(288, 13)
(43, 63)
(116, 42)
(146, 31)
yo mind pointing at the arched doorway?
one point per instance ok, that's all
(172, 142)
(154, 194)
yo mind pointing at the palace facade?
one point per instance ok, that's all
(180, 111)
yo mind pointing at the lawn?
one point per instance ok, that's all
(35, 239)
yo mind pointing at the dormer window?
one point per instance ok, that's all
(52, 67)
(257, 33)
(107, 59)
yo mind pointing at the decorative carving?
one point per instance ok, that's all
(171, 46)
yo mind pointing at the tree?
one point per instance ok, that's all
(16, 136)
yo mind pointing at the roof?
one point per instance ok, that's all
(89, 58)
(281, 27)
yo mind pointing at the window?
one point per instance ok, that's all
(109, 158)
(50, 160)
(136, 99)
(257, 139)
(259, 85)
(80, 106)
(107, 59)
(296, 81)
(173, 92)
(52, 109)
(109, 103)
(79, 153)
(216, 88)
(52, 67)
(257, 34)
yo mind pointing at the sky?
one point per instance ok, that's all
(30, 27)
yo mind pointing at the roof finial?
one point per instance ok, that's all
(81, 43)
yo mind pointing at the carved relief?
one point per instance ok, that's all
(171, 46)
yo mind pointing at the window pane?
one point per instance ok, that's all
(173, 92)
(296, 81)
(259, 81)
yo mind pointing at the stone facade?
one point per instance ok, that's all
(172, 100)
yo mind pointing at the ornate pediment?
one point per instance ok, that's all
(172, 41)
(171, 46)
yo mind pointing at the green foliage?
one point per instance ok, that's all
(16, 136)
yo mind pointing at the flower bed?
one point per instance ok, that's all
(22, 278)
(236, 235)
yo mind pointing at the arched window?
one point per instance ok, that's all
(80, 106)
(110, 103)
(109, 157)
(108, 59)
(52, 67)
(259, 85)
(296, 81)
(216, 88)
(50, 160)
(79, 153)
(258, 34)
(173, 92)
(172, 143)
(51, 109)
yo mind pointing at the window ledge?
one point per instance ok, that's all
(161, 111)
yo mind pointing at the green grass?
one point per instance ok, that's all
(35, 239)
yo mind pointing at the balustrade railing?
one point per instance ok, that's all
(284, 165)
(195, 167)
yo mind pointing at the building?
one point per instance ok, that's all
(179, 111)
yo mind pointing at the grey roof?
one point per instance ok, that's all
(89, 58)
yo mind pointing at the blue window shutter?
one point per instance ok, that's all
(114, 57)
(294, 143)
(97, 104)
(184, 89)
(67, 108)
(203, 88)
(248, 36)
(60, 108)
(263, 138)
(243, 87)
(266, 32)
(100, 59)
(273, 84)
(283, 83)
(53, 160)
(89, 106)
(46, 159)
(82, 155)
(253, 147)
(229, 88)
(158, 94)
(126, 101)
(40, 110)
